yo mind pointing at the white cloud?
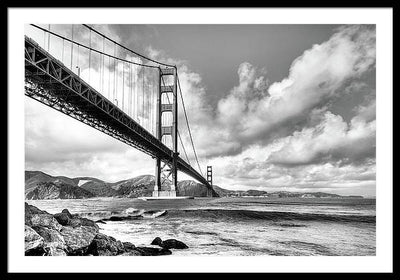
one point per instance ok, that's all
(331, 139)
(314, 77)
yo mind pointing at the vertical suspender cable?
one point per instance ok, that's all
(154, 104)
(147, 103)
(48, 41)
(143, 94)
(62, 59)
(90, 51)
(135, 97)
(102, 80)
(109, 78)
(72, 44)
(151, 105)
(100, 74)
(130, 89)
(116, 82)
(77, 65)
(114, 77)
(123, 84)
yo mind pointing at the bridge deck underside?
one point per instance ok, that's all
(53, 84)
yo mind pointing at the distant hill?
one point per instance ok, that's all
(82, 187)
(50, 190)
(33, 178)
(192, 188)
(231, 193)
(139, 186)
(99, 188)
(135, 187)
(225, 192)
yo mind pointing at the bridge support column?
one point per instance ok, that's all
(166, 169)
(209, 180)
(157, 181)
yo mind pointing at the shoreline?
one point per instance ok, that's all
(245, 227)
(66, 234)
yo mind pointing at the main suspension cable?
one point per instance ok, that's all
(89, 48)
(115, 42)
(187, 122)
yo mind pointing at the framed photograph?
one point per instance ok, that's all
(200, 140)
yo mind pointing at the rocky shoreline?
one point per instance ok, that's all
(66, 234)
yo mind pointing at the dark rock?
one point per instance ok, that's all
(37, 217)
(115, 218)
(30, 209)
(131, 253)
(128, 245)
(150, 251)
(104, 245)
(75, 222)
(169, 243)
(62, 218)
(65, 211)
(38, 251)
(78, 239)
(65, 218)
(54, 243)
(32, 239)
(101, 222)
(123, 218)
(88, 223)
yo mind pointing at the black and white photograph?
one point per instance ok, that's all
(202, 140)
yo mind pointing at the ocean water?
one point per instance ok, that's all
(243, 226)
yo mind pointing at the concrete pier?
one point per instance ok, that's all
(146, 198)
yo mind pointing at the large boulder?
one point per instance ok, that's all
(104, 245)
(62, 218)
(128, 246)
(54, 243)
(169, 243)
(78, 239)
(33, 242)
(65, 211)
(150, 251)
(65, 218)
(37, 217)
(77, 222)
(131, 253)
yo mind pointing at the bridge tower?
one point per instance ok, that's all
(167, 171)
(209, 180)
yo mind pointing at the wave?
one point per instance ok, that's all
(286, 219)
(270, 215)
(127, 214)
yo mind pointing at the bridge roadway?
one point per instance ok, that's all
(50, 82)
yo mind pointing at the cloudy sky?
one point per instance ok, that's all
(271, 107)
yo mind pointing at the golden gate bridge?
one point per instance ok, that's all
(81, 72)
